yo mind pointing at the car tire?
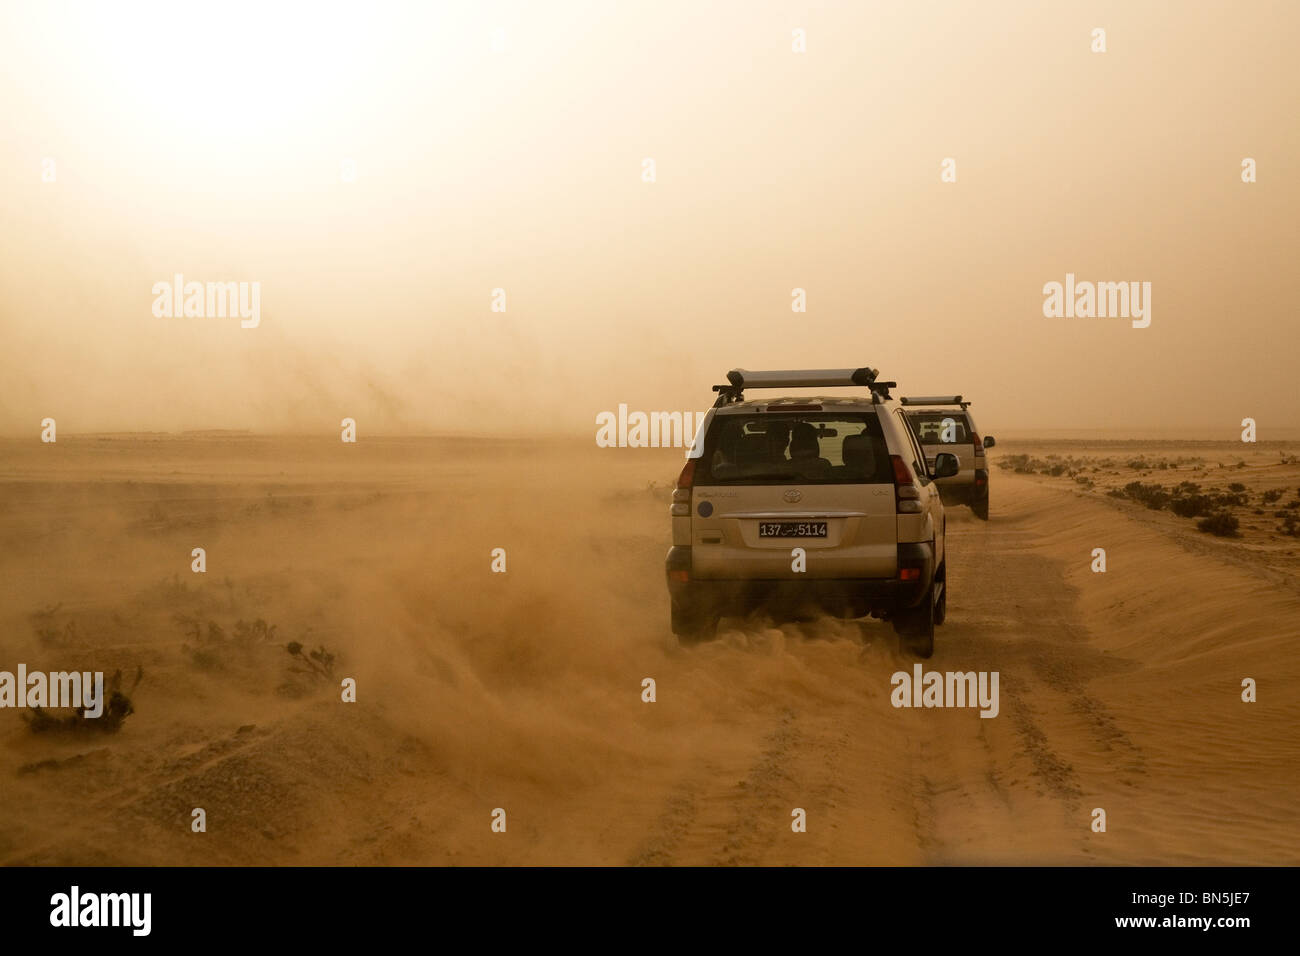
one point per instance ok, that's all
(941, 605)
(915, 627)
(981, 508)
(693, 626)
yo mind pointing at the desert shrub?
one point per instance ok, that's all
(51, 635)
(1229, 500)
(1191, 506)
(1272, 495)
(1290, 526)
(258, 630)
(213, 650)
(117, 708)
(1018, 463)
(319, 663)
(1236, 486)
(1221, 524)
(1153, 496)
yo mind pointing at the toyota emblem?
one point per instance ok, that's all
(793, 495)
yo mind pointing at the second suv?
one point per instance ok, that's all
(944, 424)
(797, 504)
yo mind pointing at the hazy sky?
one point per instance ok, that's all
(501, 146)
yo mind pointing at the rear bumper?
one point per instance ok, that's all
(839, 597)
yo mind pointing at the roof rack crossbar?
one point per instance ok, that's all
(934, 400)
(739, 379)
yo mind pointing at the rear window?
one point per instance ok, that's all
(806, 448)
(941, 428)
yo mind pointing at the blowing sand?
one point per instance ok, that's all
(522, 690)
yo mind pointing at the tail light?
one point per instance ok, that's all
(682, 493)
(906, 495)
(979, 444)
(679, 565)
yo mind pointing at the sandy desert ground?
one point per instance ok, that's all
(523, 690)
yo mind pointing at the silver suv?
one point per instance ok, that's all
(809, 504)
(944, 424)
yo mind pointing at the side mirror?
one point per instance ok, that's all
(988, 441)
(945, 465)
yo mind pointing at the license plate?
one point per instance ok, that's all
(792, 529)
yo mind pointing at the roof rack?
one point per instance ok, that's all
(739, 379)
(934, 400)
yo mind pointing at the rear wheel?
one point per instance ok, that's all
(915, 626)
(692, 625)
(941, 605)
(981, 508)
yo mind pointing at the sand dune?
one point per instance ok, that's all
(523, 690)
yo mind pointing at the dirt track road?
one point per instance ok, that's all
(522, 691)
(1185, 771)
